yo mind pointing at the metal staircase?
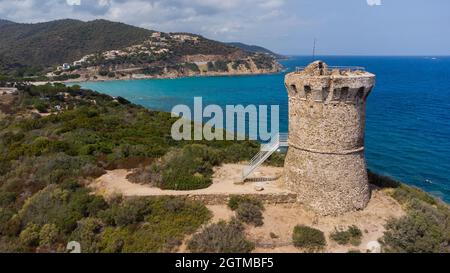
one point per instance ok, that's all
(280, 140)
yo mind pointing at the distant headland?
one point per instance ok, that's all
(102, 50)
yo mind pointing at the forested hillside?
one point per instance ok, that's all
(51, 43)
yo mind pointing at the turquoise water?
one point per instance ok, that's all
(408, 119)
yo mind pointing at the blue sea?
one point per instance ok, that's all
(408, 113)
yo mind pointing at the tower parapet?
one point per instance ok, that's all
(325, 164)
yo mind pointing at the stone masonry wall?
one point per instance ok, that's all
(222, 199)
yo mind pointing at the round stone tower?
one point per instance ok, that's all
(325, 164)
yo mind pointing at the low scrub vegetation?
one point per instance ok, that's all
(186, 168)
(236, 200)
(263, 61)
(308, 238)
(155, 225)
(223, 237)
(248, 210)
(250, 214)
(352, 235)
(192, 66)
(425, 228)
(46, 159)
(122, 226)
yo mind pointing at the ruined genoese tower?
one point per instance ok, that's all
(325, 164)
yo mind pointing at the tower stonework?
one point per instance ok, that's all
(325, 164)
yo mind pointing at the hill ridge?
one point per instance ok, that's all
(30, 49)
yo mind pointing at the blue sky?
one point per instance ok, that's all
(342, 27)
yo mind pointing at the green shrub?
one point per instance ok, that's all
(30, 235)
(192, 66)
(248, 209)
(95, 204)
(65, 77)
(236, 200)
(425, 229)
(222, 237)
(250, 214)
(5, 217)
(308, 238)
(88, 234)
(128, 212)
(263, 61)
(11, 245)
(39, 172)
(189, 168)
(169, 220)
(221, 66)
(211, 66)
(405, 194)
(153, 70)
(7, 199)
(13, 227)
(54, 205)
(276, 159)
(237, 152)
(352, 235)
(42, 107)
(48, 235)
(114, 239)
(402, 193)
(183, 181)
(179, 212)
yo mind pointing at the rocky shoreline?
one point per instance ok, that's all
(136, 76)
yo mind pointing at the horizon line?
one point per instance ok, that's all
(363, 55)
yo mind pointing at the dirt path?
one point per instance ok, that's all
(115, 182)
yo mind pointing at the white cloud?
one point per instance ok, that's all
(73, 2)
(211, 17)
(374, 2)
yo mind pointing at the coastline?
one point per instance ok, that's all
(136, 77)
(420, 172)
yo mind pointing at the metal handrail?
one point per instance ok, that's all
(348, 68)
(266, 151)
(254, 165)
(260, 156)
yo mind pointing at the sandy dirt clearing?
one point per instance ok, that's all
(282, 218)
(279, 219)
(224, 179)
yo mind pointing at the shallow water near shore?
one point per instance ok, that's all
(408, 113)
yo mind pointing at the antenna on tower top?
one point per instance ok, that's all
(314, 49)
